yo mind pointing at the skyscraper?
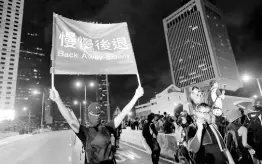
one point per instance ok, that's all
(31, 72)
(198, 46)
(103, 95)
(11, 16)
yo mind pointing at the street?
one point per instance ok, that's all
(55, 147)
(45, 148)
(128, 154)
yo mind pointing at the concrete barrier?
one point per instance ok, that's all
(167, 142)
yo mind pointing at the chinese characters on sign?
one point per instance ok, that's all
(70, 40)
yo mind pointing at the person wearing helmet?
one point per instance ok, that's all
(254, 124)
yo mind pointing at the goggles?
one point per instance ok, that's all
(93, 114)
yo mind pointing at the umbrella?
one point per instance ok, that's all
(246, 105)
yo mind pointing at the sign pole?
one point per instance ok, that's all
(138, 79)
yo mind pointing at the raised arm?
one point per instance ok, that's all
(119, 118)
(195, 143)
(66, 113)
(243, 131)
(222, 96)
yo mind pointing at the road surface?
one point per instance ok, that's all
(55, 148)
(45, 148)
(128, 154)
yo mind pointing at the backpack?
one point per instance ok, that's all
(232, 145)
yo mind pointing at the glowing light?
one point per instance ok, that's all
(91, 84)
(246, 78)
(255, 96)
(78, 84)
(75, 102)
(35, 92)
(7, 114)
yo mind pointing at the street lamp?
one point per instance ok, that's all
(247, 78)
(91, 84)
(79, 84)
(36, 92)
(80, 108)
(75, 102)
(29, 118)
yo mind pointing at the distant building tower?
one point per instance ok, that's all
(103, 95)
(30, 74)
(199, 48)
(11, 17)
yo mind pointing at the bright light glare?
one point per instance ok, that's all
(255, 96)
(24, 108)
(246, 78)
(84, 102)
(130, 113)
(91, 84)
(78, 84)
(75, 102)
(7, 115)
(35, 92)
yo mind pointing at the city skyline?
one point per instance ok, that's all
(147, 35)
(155, 75)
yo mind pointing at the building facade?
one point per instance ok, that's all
(198, 46)
(30, 76)
(11, 16)
(171, 97)
(166, 101)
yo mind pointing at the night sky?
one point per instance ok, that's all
(144, 18)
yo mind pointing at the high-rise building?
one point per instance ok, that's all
(11, 16)
(103, 95)
(30, 76)
(199, 48)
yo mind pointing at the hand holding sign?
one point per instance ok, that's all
(139, 92)
(54, 95)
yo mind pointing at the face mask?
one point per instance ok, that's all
(95, 120)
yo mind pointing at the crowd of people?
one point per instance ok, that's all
(207, 135)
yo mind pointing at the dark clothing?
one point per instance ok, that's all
(117, 135)
(246, 157)
(97, 142)
(148, 137)
(254, 127)
(209, 152)
(221, 124)
(146, 131)
(168, 127)
(155, 154)
(136, 125)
